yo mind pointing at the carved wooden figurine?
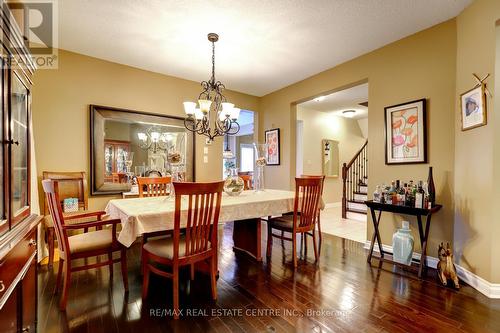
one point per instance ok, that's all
(445, 266)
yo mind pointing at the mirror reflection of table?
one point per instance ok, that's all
(150, 215)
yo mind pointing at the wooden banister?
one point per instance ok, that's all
(354, 173)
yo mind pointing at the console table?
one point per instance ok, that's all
(406, 210)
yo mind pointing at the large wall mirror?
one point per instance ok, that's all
(330, 152)
(126, 143)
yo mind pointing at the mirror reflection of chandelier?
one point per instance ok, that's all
(154, 140)
(214, 116)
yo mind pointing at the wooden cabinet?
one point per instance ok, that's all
(115, 153)
(18, 227)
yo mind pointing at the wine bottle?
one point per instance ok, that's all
(419, 196)
(431, 188)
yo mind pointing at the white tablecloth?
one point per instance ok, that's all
(143, 215)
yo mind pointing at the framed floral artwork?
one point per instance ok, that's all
(473, 108)
(406, 133)
(273, 146)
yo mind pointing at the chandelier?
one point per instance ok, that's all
(154, 140)
(214, 116)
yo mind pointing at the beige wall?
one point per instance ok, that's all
(321, 125)
(420, 66)
(61, 101)
(477, 155)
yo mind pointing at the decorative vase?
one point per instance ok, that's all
(234, 184)
(260, 163)
(402, 244)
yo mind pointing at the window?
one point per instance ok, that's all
(246, 158)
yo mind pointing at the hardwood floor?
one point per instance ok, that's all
(342, 294)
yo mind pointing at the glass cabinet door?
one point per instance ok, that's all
(4, 225)
(19, 142)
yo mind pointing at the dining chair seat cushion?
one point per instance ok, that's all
(283, 222)
(164, 247)
(93, 240)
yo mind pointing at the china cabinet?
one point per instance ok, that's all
(18, 227)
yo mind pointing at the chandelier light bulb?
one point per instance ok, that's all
(189, 108)
(227, 108)
(198, 114)
(205, 105)
(155, 136)
(235, 113)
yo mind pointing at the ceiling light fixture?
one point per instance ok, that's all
(212, 107)
(349, 113)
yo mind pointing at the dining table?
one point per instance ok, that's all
(155, 214)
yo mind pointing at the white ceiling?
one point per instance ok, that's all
(264, 45)
(347, 99)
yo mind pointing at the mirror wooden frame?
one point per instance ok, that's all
(95, 189)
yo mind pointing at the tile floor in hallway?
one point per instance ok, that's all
(332, 223)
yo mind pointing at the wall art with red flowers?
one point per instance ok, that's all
(406, 133)
(273, 146)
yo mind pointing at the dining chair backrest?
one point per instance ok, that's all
(315, 176)
(307, 201)
(70, 185)
(153, 187)
(51, 189)
(201, 217)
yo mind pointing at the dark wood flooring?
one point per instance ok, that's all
(341, 294)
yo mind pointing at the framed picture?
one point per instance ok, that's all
(406, 133)
(473, 108)
(273, 146)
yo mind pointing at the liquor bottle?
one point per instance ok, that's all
(377, 194)
(395, 194)
(402, 195)
(419, 196)
(431, 188)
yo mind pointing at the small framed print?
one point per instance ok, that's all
(473, 108)
(273, 146)
(406, 133)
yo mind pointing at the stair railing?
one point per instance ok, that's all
(354, 173)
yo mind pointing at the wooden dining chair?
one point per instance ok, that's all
(85, 245)
(154, 186)
(71, 185)
(247, 181)
(304, 217)
(321, 204)
(197, 243)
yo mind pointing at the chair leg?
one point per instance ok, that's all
(316, 257)
(67, 278)
(294, 249)
(175, 291)
(319, 230)
(51, 244)
(192, 272)
(110, 265)
(269, 240)
(213, 277)
(123, 259)
(145, 274)
(59, 274)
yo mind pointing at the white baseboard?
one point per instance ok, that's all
(490, 290)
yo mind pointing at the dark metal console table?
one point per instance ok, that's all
(423, 232)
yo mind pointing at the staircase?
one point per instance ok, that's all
(355, 185)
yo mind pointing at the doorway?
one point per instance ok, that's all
(238, 149)
(330, 131)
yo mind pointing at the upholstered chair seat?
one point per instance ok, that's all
(164, 247)
(95, 240)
